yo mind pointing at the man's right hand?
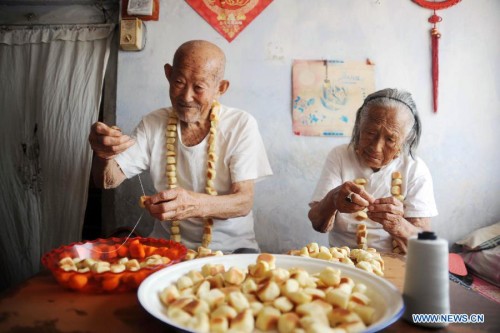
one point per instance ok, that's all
(107, 142)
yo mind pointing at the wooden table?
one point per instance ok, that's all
(41, 305)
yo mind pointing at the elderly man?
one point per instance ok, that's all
(204, 157)
(376, 180)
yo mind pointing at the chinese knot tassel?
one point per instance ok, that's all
(435, 35)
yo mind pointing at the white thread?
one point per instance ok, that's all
(142, 187)
(131, 232)
(126, 239)
(426, 287)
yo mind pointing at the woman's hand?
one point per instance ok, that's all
(346, 198)
(359, 198)
(389, 212)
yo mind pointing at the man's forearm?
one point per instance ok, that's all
(236, 204)
(223, 207)
(106, 173)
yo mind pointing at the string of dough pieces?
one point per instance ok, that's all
(396, 181)
(171, 170)
(361, 230)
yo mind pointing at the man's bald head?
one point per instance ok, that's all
(196, 80)
(201, 53)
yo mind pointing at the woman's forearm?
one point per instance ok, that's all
(322, 213)
(414, 225)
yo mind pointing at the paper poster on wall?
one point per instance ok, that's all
(229, 17)
(326, 95)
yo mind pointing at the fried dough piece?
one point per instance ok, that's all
(142, 201)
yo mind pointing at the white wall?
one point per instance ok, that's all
(459, 143)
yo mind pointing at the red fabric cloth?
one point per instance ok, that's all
(486, 289)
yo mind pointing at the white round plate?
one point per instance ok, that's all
(386, 299)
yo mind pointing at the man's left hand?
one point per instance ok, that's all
(173, 204)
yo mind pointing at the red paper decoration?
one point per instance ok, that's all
(435, 35)
(229, 17)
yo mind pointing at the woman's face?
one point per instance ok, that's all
(382, 133)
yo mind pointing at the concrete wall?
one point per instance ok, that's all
(459, 143)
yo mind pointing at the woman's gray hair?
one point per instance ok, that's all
(390, 98)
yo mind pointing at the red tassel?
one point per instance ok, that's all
(435, 35)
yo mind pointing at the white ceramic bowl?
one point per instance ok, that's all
(386, 299)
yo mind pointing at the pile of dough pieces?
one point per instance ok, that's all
(100, 266)
(201, 252)
(368, 260)
(268, 298)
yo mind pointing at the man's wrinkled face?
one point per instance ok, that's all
(194, 85)
(382, 134)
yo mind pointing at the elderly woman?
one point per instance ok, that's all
(357, 186)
